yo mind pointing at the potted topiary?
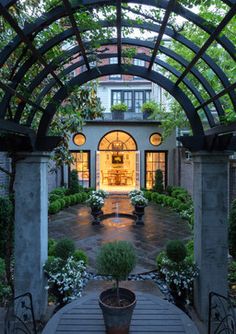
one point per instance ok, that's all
(117, 259)
(118, 111)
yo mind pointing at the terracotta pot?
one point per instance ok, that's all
(117, 319)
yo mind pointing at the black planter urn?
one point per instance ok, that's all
(139, 212)
(96, 213)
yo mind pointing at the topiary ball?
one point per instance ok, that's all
(64, 248)
(176, 251)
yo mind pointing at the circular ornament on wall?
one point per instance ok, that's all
(79, 139)
(155, 139)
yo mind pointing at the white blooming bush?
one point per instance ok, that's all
(95, 201)
(138, 200)
(65, 278)
(178, 276)
(135, 192)
(102, 193)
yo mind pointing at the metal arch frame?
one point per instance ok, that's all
(147, 26)
(163, 26)
(138, 56)
(76, 31)
(180, 10)
(58, 12)
(97, 72)
(26, 40)
(141, 43)
(149, 45)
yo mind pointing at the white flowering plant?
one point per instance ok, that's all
(95, 201)
(65, 278)
(135, 192)
(102, 193)
(138, 200)
(179, 276)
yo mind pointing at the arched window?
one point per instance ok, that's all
(117, 141)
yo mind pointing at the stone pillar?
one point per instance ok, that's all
(31, 228)
(210, 193)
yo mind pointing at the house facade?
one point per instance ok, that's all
(123, 154)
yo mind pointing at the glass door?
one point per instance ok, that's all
(137, 170)
(97, 170)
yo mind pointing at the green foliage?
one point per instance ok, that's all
(148, 194)
(158, 186)
(151, 107)
(64, 248)
(74, 182)
(6, 222)
(54, 207)
(116, 259)
(53, 197)
(119, 107)
(51, 247)
(80, 255)
(7, 234)
(176, 251)
(59, 192)
(232, 230)
(232, 272)
(5, 290)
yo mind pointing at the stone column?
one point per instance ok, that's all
(210, 193)
(31, 228)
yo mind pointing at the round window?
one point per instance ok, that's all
(79, 139)
(156, 139)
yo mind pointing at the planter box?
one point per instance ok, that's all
(117, 115)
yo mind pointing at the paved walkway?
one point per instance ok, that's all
(151, 315)
(161, 225)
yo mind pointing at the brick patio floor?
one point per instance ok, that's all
(161, 225)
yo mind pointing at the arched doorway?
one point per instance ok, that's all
(117, 162)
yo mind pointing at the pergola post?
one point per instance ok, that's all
(210, 192)
(31, 228)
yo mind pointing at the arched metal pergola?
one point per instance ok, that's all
(35, 79)
(28, 94)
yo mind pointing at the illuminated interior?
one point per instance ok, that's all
(154, 161)
(118, 163)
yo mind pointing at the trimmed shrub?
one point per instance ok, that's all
(53, 197)
(74, 182)
(78, 198)
(84, 196)
(54, 207)
(154, 196)
(176, 251)
(147, 194)
(64, 248)
(116, 259)
(158, 186)
(59, 191)
(80, 255)
(62, 202)
(67, 201)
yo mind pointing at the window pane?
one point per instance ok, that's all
(81, 164)
(128, 100)
(154, 161)
(138, 100)
(116, 97)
